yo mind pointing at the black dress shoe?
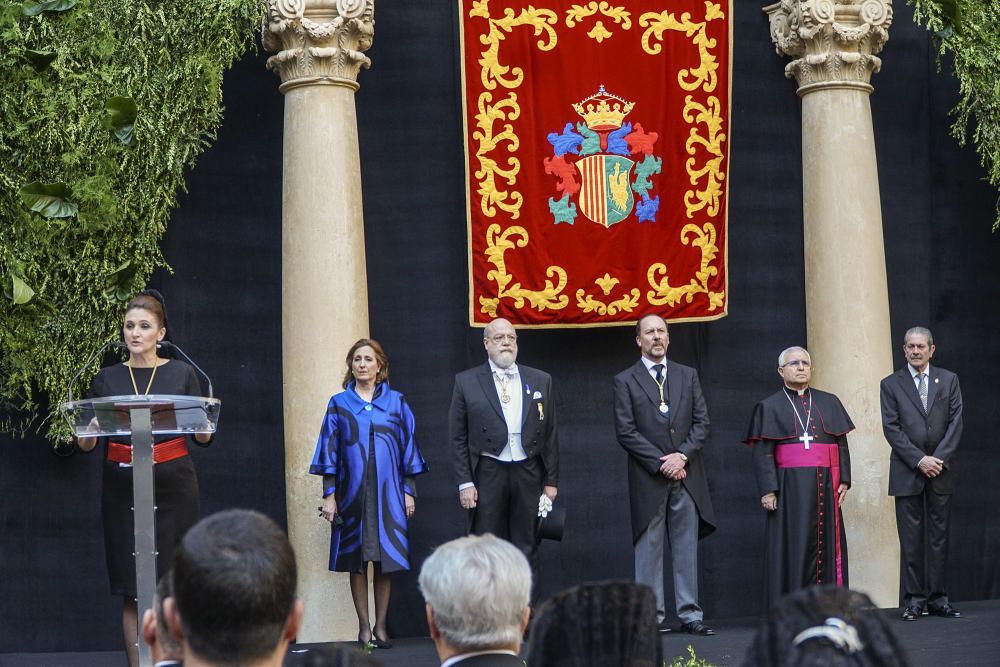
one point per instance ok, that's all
(380, 643)
(911, 613)
(664, 627)
(697, 628)
(945, 611)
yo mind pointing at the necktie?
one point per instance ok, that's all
(659, 372)
(922, 390)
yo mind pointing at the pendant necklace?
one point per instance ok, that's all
(663, 402)
(504, 383)
(806, 438)
(132, 375)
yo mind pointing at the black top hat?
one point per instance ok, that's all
(551, 527)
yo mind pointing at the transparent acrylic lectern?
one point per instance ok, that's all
(141, 418)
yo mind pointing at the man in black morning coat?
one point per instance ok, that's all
(662, 422)
(922, 420)
(502, 426)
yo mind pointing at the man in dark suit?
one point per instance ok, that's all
(234, 597)
(662, 422)
(922, 420)
(502, 426)
(477, 590)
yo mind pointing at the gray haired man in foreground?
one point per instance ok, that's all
(477, 589)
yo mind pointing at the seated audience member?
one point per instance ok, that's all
(477, 590)
(825, 626)
(164, 648)
(234, 592)
(603, 624)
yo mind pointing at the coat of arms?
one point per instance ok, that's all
(604, 163)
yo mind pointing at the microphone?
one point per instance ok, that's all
(167, 345)
(117, 344)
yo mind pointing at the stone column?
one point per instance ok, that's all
(833, 46)
(319, 47)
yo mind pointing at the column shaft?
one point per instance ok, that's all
(318, 47)
(847, 315)
(324, 310)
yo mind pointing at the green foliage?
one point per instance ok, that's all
(105, 103)
(969, 30)
(691, 661)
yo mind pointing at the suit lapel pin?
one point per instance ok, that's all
(936, 380)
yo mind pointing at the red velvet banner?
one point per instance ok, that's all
(596, 138)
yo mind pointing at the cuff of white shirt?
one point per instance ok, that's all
(466, 485)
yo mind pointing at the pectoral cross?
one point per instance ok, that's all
(806, 439)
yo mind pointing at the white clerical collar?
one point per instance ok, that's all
(510, 370)
(797, 391)
(459, 658)
(914, 372)
(649, 363)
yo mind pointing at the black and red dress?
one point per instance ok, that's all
(175, 481)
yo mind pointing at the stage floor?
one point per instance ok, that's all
(972, 640)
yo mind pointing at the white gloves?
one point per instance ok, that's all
(544, 505)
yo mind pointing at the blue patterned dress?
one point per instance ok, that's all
(366, 452)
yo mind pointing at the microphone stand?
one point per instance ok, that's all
(166, 344)
(115, 344)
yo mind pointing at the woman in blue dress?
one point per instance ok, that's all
(368, 458)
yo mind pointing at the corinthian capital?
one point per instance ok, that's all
(832, 43)
(318, 41)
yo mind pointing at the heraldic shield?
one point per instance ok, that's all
(605, 188)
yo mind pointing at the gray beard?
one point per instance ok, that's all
(504, 360)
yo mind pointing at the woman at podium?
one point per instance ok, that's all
(368, 458)
(175, 481)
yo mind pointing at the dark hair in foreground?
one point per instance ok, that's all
(234, 586)
(825, 626)
(603, 624)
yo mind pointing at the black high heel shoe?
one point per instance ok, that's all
(380, 643)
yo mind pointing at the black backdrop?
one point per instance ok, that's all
(224, 303)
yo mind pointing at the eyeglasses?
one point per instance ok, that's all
(502, 338)
(799, 363)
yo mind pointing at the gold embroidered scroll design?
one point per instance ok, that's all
(577, 13)
(489, 111)
(663, 294)
(497, 245)
(706, 137)
(588, 303)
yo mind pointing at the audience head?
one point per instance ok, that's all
(162, 644)
(825, 626)
(477, 592)
(604, 624)
(234, 590)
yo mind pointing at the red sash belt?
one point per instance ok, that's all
(818, 455)
(162, 452)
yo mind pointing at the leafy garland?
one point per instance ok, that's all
(969, 30)
(105, 103)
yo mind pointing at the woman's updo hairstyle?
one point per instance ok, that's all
(152, 301)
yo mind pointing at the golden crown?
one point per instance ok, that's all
(603, 111)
